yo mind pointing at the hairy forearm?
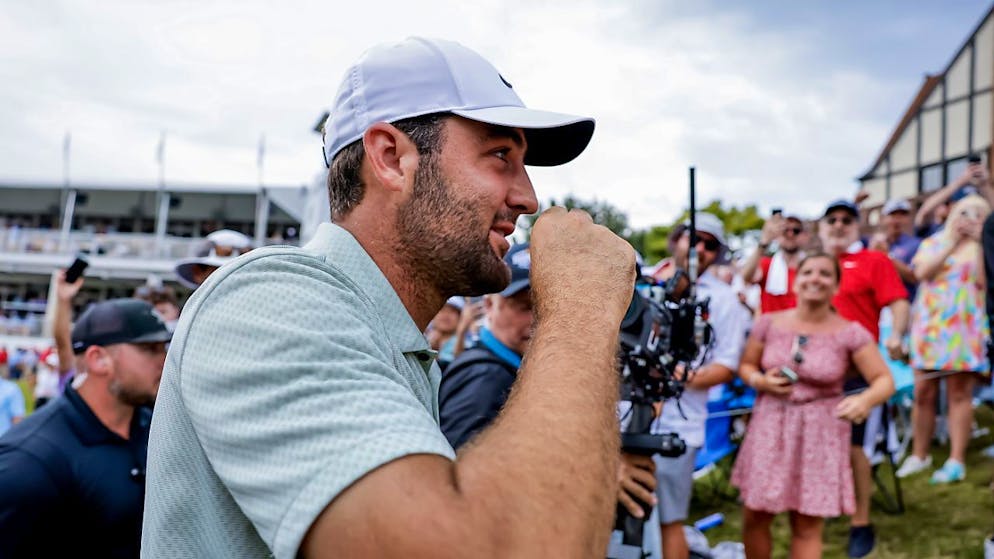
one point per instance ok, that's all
(552, 455)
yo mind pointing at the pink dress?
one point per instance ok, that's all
(795, 456)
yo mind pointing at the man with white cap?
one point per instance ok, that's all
(895, 223)
(730, 322)
(217, 249)
(298, 414)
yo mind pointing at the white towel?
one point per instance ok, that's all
(776, 277)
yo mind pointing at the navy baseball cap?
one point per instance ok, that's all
(519, 260)
(419, 76)
(842, 204)
(117, 321)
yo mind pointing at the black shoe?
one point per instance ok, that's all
(861, 541)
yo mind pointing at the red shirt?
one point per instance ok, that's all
(773, 303)
(869, 283)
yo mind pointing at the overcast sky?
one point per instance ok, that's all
(775, 103)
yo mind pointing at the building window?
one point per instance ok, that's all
(931, 178)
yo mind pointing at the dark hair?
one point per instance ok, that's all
(345, 186)
(821, 254)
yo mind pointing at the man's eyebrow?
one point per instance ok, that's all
(496, 132)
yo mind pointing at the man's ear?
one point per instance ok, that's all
(391, 156)
(98, 360)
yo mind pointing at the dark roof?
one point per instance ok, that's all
(931, 81)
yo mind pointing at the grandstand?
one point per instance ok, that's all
(133, 233)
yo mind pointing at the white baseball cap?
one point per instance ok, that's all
(419, 76)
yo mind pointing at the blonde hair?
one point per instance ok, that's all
(971, 204)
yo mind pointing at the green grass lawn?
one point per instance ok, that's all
(939, 521)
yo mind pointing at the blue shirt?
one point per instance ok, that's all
(11, 404)
(904, 250)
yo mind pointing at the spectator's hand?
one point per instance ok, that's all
(65, 291)
(863, 194)
(470, 315)
(978, 173)
(636, 482)
(895, 349)
(773, 382)
(580, 268)
(968, 229)
(772, 229)
(853, 408)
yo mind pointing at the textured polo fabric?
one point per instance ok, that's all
(292, 373)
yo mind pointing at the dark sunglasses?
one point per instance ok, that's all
(710, 245)
(798, 349)
(845, 220)
(794, 230)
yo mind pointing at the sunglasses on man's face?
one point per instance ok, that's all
(793, 230)
(710, 245)
(845, 220)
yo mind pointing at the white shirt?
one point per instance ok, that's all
(730, 322)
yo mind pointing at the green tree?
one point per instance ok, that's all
(603, 213)
(737, 221)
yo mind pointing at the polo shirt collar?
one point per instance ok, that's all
(343, 251)
(85, 423)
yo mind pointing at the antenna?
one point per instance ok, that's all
(692, 253)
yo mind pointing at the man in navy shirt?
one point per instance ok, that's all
(476, 384)
(72, 476)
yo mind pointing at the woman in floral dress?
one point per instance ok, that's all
(795, 457)
(948, 334)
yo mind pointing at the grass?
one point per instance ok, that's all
(939, 520)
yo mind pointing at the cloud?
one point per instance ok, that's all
(768, 114)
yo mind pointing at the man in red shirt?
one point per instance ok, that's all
(869, 284)
(775, 274)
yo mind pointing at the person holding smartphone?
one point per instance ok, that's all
(774, 273)
(795, 457)
(975, 179)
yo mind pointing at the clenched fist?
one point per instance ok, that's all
(579, 268)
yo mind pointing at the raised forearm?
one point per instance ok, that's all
(750, 265)
(552, 455)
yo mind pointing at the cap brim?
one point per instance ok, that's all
(184, 268)
(553, 138)
(852, 212)
(516, 287)
(161, 336)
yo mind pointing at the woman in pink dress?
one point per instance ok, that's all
(795, 457)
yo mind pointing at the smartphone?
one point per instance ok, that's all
(789, 373)
(777, 211)
(974, 159)
(76, 268)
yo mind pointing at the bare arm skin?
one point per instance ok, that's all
(871, 365)
(542, 480)
(62, 320)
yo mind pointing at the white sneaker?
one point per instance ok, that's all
(913, 465)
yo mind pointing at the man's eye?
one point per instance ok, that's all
(502, 153)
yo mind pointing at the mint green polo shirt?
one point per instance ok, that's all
(292, 373)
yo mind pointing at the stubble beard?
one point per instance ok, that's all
(440, 241)
(133, 398)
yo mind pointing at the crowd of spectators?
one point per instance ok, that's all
(807, 341)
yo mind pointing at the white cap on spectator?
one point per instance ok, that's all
(896, 205)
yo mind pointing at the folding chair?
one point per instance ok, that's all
(729, 404)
